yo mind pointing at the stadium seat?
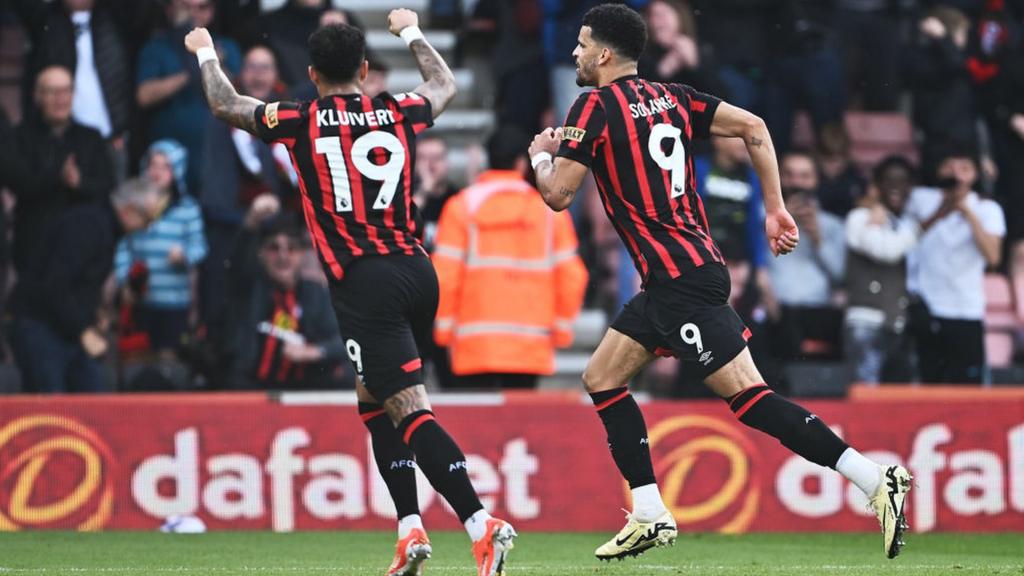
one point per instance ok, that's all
(1000, 312)
(1001, 320)
(999, 349)
(873, 136)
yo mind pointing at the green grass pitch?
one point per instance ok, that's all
(344, 553)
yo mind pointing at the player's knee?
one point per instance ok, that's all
(595, 380)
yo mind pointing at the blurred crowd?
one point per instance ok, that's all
(147, 246)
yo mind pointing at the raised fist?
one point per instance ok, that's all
(401, 19)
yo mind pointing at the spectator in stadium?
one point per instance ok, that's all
(58, 334)
(511, 283)
(997, 69)
(943, 94)
(806, 69)
(878, 241)
(163, 258)
(871, 32)
(61, 163)
(236, 169)
(673, 53)
(434, 187)
(731, 192)
(962, 234)
(286, 30)
(92, 39)
(842, 185)
(805, 281)
(169, 83)
(517, 59)
(284, 332)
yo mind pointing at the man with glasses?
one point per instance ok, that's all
(60, 163)
(284, 334)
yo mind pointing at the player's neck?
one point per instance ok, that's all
(606, 77)
(349, 88)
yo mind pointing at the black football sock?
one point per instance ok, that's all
(796, 428)
(627, 435)
(395, 460)
(441, 460)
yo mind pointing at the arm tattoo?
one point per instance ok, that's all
(439, 85)
(406, 402)
(756, 142)
(225, 102)
(566, 192)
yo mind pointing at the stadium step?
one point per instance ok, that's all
(407, 79)
(396, 54)
(374, 14)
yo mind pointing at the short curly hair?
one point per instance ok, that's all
(619, 27)
(337, 51)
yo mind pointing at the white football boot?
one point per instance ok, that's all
(635, 538)
(887, 503)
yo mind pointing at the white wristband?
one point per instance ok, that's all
(410, 33)
(540, 157)
(206, 53)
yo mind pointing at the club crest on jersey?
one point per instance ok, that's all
(573, 133)
(270, 115)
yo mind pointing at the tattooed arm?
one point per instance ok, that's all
(439, 82)
(557, 180)
(731, 121)
(225, 102)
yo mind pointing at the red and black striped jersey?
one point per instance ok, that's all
(354, 157)
(635, 136)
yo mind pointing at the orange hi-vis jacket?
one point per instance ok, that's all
(511, 281)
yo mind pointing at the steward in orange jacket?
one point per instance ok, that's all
(511, 281)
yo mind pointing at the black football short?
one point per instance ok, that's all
(688, 318)
(386, 307)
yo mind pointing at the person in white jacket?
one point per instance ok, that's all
(878, 241)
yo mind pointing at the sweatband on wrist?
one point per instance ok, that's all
(206, 53)
(411, 33)
(540, 157)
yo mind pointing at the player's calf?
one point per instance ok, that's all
(796, 428)
(395, 460)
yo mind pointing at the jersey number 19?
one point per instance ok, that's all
(389, 173)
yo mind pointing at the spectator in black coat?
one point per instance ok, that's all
(62, 163)
(92, 38)
(57, 334)
(943, 93)
(285, 334)
(237, 168)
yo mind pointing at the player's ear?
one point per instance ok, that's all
(605, 56)
(312, 74)
(364, 71)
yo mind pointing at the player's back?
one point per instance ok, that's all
(636, 136)
(354, 156)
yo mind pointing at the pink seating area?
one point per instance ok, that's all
(873, 136)
(1004, 317)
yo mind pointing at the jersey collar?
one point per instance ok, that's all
(626, 78)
